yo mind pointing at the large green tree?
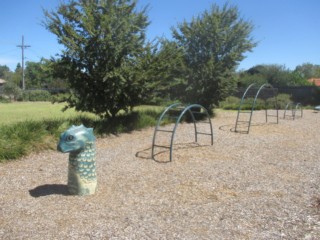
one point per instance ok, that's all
(213, 43)
(103, 41)
(162, 67)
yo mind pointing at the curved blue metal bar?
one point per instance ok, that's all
(294, 110)
(266, 110)
(188, 109)
(255, 101)
(258, 92)
(241, 102)
(285, 111)
(184, 110)
(159, 122)
(301, 109)
(254, 105)
(245, 93)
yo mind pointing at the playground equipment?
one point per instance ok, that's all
(79, 142)
(176, 112)
(295, 108)
(249, 100)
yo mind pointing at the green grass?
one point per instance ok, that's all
(21, 111)
(33, 127)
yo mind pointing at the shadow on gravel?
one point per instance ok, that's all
(158, 156)
(229, 127)
(49, 189)
(240, 130)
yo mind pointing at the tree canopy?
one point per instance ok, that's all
(308, 70)
(110, 66)
(275, 74)
(103, 41)
(4, 70)
(213, 45)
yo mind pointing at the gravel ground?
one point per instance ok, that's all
(261, 185)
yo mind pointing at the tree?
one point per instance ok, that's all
(103, 41)
(245, 79)
(308, 70)
(276, 75)
(52, 79)
(162, 66)
(34, 75)
(40, 75)
(213, 44)
(4, 70)
(17, 76)
(297, 79)
(13, 80)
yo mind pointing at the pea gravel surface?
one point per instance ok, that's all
(261, 185)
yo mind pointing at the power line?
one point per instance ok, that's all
(36, 54)
(8, 51)
(22, 46)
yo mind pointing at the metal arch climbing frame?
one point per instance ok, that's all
(299, 105)
(188, 109)
(266, 85)
(172, 106)
(289, 105)
(239, 109)
(294, 109)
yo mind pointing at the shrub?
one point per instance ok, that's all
(60, 97)
(230, 103)
(4, 99)
(12, 91)
(19, 139)
(233, 103)
(37, 96)
(283, 100)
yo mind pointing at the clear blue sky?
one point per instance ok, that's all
(288, 31)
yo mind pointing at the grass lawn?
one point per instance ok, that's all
(21, 111)
(36, 126)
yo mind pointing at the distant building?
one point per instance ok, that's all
(315, 81)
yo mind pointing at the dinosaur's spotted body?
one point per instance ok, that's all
(79, 141)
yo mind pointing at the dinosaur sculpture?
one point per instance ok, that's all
(79, 142)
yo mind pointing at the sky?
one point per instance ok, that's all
(287, 31)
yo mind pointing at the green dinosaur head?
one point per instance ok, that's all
(75, 139)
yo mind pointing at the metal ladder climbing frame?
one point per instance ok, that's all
(178, 107)
(247, 123)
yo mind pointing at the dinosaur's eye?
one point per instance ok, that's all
(70, 138)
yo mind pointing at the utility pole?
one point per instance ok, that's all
(22, 46)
